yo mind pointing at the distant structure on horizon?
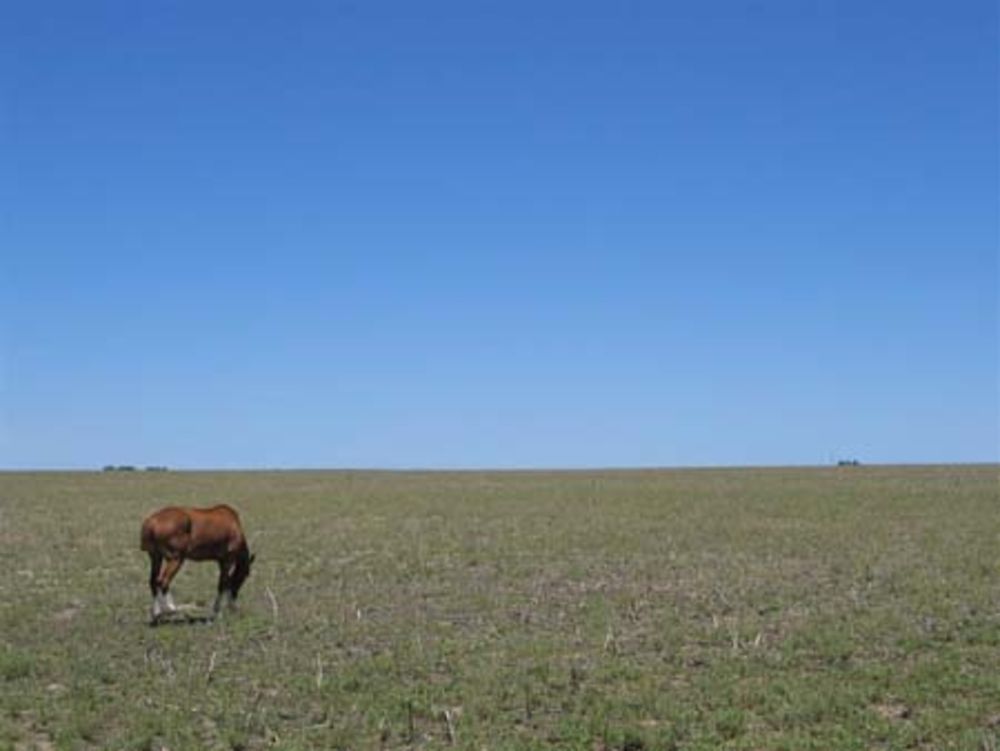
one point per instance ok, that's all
(131, 468)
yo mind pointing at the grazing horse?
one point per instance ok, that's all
(172, 535)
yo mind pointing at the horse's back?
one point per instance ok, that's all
(220, 516)
(193, 531)
(221, 509)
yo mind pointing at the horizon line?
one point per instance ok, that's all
(166, 469)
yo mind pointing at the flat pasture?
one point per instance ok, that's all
(805, 608)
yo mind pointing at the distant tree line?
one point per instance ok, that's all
(848, 463)
(131, 468)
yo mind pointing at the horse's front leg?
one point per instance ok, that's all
(223, 590)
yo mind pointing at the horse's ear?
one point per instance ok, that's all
(253, 557)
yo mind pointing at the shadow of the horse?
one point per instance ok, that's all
(182, 616)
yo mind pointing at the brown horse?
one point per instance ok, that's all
(172, 535)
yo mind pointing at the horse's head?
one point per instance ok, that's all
(240, 571)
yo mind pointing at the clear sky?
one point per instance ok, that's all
(498, 234)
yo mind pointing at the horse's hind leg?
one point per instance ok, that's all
(167, 574)
(155, 561)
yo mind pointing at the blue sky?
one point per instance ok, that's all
(498, 234)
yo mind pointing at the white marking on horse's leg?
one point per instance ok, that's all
(168, 602)
(157, 608)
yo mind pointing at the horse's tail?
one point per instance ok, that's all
(147, 540)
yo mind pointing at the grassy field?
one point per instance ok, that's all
(841, 608)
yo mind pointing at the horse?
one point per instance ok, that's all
(173, 535)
